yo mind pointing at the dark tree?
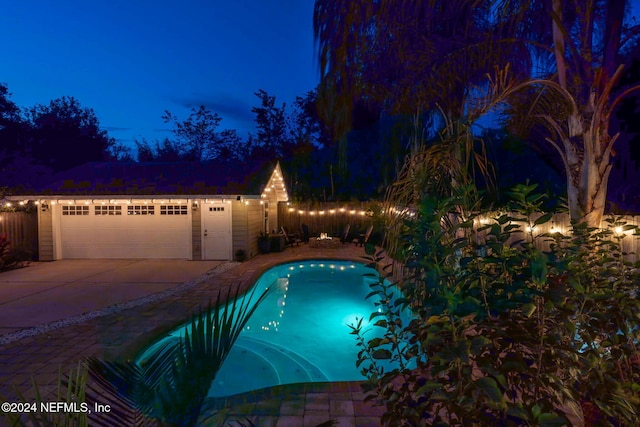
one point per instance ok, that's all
(407, 56)
(12, 126)
(307, 123)
(232, 147)
(64, 134)
(9, 111)
(198, 138)
(165, 151)
(120, 152)
(273, 139)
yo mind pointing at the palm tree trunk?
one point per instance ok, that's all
(587, 183)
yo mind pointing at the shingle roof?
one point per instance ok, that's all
(149, 178)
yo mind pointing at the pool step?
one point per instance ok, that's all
(281, 354)
(254, 364)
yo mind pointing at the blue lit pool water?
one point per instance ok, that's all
(300, 332)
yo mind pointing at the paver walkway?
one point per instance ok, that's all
(122, 334)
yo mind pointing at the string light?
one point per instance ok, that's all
(276, 183)
(330, 211)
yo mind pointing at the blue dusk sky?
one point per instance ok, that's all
(130, 60)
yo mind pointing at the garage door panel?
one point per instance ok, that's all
(125, 236)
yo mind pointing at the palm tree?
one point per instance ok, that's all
(407, 55)
(575, 105)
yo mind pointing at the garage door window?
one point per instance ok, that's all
(108, 210)
(140, 210)
(173, 210)
(75, 210)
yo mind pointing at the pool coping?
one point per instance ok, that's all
(120, 335)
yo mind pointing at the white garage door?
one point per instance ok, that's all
(125, 231)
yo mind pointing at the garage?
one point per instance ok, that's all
(144, 210)
(140, 229)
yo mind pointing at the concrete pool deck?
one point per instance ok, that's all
(121, 333)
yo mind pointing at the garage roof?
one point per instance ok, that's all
(153, 178)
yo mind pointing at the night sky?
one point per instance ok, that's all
(130, 60)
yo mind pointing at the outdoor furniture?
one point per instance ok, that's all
(291, 239)
(277, 242)
(345, 233)
(305, 233)
(363, 238)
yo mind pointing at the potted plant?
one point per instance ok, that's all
(264, 245)
(241, 255)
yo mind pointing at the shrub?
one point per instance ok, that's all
(504, 333)
(12, 256)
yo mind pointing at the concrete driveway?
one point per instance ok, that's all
(45, 292)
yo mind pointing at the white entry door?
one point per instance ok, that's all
(216, 231)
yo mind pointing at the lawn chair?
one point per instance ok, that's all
(291, 239)
(363, 238)
(345, 233)
(305, 233)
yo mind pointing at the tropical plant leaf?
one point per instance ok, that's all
(172, 382)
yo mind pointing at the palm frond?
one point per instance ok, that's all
(172, 382)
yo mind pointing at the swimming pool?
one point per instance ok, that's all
(300, 332)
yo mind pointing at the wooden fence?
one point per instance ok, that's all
(21, 229)
(331, 218)
(561, 223)
(327, 217)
